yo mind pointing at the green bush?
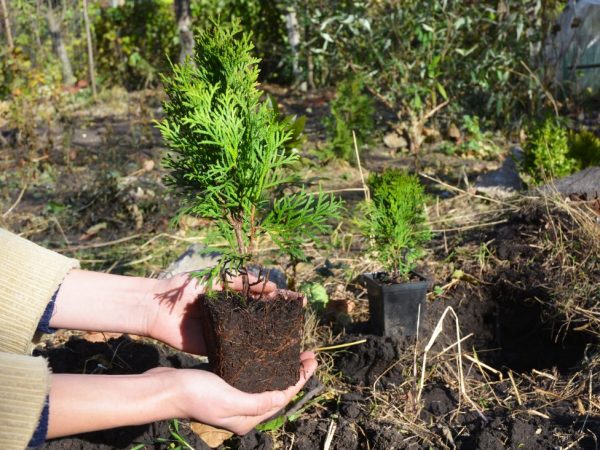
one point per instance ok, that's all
(352, 109)
(416, 55)
(395, 220)
(228, 157)
(546, 151)
(134, 42)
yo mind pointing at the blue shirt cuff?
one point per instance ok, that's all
(39, 436)
(44, 324)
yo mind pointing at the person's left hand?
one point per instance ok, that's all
(174, 314)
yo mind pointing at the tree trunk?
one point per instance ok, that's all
(184, 22)
(59, 46)
(293, 31)
(7, 29)
(310, 67)
(36, 24)
(88, 36)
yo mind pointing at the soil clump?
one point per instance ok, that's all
(253, 344)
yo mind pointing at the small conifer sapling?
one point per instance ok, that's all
(395, 224)
(231, 161)
(395, 221)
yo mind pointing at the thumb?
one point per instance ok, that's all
(263, 403)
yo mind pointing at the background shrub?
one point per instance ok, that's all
(352, 109)
(134, 42)
(584, 147)
(481, 56)
(546, 151)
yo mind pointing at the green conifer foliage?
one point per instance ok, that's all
(351, 110)
(546, 152)
(228, 154)
(395, 220)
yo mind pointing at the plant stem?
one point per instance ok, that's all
(237, 228)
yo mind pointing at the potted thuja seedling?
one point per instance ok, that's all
(230, 161)
(395, 224)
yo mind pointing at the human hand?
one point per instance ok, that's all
(174, 314)
(80, 403)
(166, 309)
(205, 397)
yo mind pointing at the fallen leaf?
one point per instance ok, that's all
(336, 307)
(454, 133)
(211, 435)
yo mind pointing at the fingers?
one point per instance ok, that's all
(261, 407)
(286, 295)
(269, 286)
(308, 368)
(237, 284)
(257, 405)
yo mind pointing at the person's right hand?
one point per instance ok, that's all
(206, 398)
(80, 403)
(174, 315)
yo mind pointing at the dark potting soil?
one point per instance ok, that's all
(373, 361)
(254, 344)
(387, 278)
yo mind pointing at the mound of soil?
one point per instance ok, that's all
(373, 361)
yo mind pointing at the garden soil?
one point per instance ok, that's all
(512, 325)
(507, 305)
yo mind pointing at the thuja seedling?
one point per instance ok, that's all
(229, 157)
(395, 221)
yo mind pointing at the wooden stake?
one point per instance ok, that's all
(88, 36)
(362, 177)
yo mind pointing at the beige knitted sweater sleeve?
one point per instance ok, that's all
(29, 276)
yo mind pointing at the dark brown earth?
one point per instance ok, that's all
(515, 325)
(510, 312)
(254, 344)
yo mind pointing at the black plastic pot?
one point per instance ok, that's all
(395, 307)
